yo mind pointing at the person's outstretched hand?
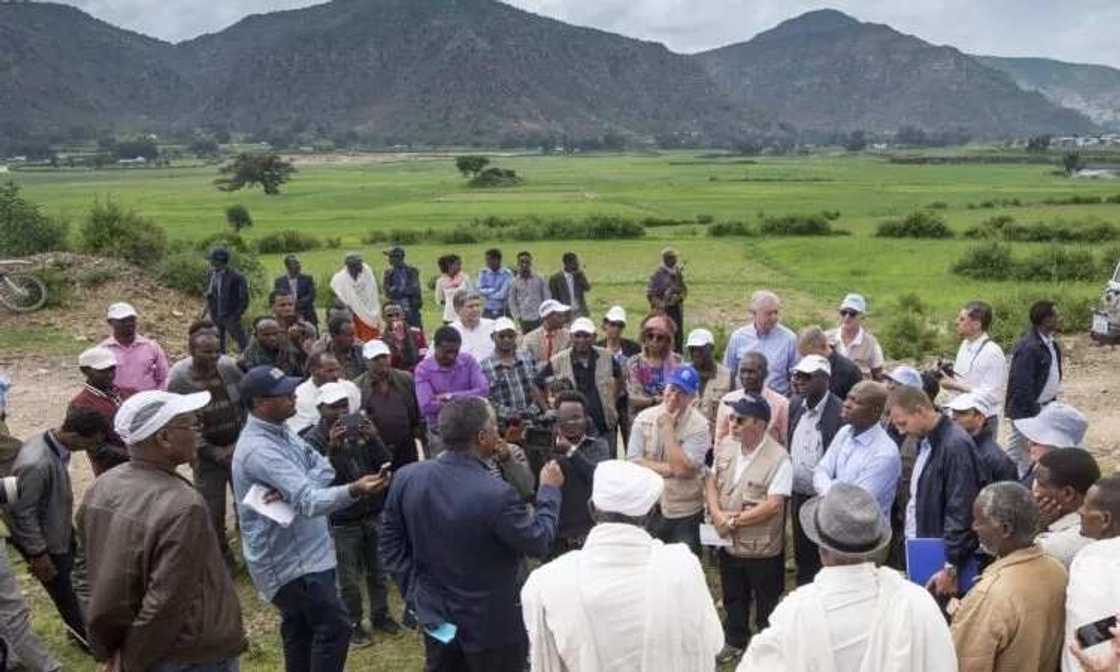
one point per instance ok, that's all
(552, 474)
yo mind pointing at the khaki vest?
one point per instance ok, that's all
(604, 380)
(708, 402)
(765, 539)
(682, 497)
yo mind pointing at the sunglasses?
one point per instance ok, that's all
(739, 419)
(848, 313)
(654, 336)
(620, 325)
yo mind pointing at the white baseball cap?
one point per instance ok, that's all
(332, 393)
(970, 402)
(616, 314)
(375, 349)
(552, 306)
(854, 302)
(145, 413)
(120, 311)
(698, 338)
(582, 325)
(907, 376)
(1058, 425)
(504, 324)
(97, 358)
(810, 364)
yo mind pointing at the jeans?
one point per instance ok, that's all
(743, 579)
(61, 591)
(805, 552)
(314, 627)
(356, 546)
(15, 623)
(677, 530)
(440, 657)
(212, 480)
(231, 326)
(227, 665)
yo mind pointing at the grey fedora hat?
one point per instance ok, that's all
(846, 520)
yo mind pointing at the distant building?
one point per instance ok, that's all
(138, 161)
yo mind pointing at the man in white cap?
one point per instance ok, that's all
(355, 286)
(552, 336)
(667, 291)
(852, 340)
(388, 398)
(626, 601)
(322, 368)
(100, 393)
(715, 378)
(1057, 425)
(903, 375)
(148, 538)
(510, 373)
(971, 411)
(141, 362)
(476, 330)
(594, 373)
(854, 616)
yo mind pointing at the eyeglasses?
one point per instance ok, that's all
(620, 325)
(848, 313)
(739, 419)
(654, 336)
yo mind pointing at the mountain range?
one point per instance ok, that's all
(480, 71)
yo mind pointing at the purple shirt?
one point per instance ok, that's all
(462, 379)
(141, 366)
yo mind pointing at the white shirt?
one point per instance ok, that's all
(570, 279)
(981, 364)
(624, 603)
(781, 484)
(1093, 592)
(307, 403)
(924, 450)
(1062, 539)
(477, 342)
(1053, 386)
(806, 447)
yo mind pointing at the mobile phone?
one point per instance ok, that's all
(1096, 632)
(384, 469)
(353, 423)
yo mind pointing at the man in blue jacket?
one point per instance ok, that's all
(454, 536)
(1034, 377)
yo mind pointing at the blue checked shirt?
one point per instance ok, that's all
(779, 347)
(510, 385)
(494, 287)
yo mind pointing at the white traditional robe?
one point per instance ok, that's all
(625, 603)
(1093, 593)
(856, 618)
(360, 295)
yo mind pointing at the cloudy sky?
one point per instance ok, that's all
(1079, 30)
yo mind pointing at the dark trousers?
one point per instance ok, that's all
(356, 547)
(805, 552)
(743, 579)
(212, 480)
(677, 314)
(61, 591)
(529, 325)
(231, 326)
(314, 626)
(677, 530)
(440, 657)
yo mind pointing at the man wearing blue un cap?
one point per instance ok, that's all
(672, 439)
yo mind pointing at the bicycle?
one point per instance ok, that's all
(20, 292)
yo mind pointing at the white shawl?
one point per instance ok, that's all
(360, 295)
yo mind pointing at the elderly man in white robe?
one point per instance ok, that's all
(626, 602)
(854, 616)
(356, 288)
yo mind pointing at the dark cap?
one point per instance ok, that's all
(394, 251)
(751, 406)
(267, 381)
(219, 254)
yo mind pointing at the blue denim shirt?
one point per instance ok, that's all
(494, 287)
(276, 458)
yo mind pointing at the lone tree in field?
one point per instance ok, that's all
(1072, 162)
(471, 165)
(248, 170)
(238, 217)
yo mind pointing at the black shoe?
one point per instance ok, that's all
(359, 638)
(410, 621)
(387, 625)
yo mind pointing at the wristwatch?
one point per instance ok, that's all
(950, 568)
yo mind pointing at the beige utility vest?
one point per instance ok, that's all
(682, 497)
(708, 402)
(604, 380)
(763, 540)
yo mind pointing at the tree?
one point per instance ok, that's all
(249, 170)
(205, 147)
(1072, 162)
(471, 165)
(856, 141)
(1039, 143)
(24, 229)
(141, 147)
(238, 217)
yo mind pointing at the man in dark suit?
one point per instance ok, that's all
(401, 284)
(814, 418)
(227, 298)
(301, 286)
(453, 538)
(1034, 377)
(570, 285)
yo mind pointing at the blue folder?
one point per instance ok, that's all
(926, 557)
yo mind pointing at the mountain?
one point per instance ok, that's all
(1093, 90)
(825, 71)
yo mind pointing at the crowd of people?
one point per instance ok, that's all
(859, 516)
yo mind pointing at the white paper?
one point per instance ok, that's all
(277, 511)
(709, 536)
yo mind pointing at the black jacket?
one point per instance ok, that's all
(305, 295)
(352, 461)
(1026, 376)
(829, 423)
(558, 287)
(946, 490)
(994, 464)
(232, 297)
(845, 374)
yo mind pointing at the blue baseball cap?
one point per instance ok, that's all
(267, 381)
(685, 378)
(751, 406)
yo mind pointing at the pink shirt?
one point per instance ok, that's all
(141, 366)
(779, 415)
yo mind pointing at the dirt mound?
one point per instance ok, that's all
(90, 284)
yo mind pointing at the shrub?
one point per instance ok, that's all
(705, 219)
(24, 230)
(238, 217)
(286, 242)
(1057, 264)
(1004, 227)
(831, 215)
(396, 236)
(657, 222)
(333, 242)
(938, 205)
(1074, 200)
(990, 261)
(722, 229)
(909, 333)
(227, 239)
(1108, 260)
(456, 237)
(186, 270)
(1010, 311)
(112, 231)
(95, 277)
(920, 224)
(796, 225)
(495, 177)
(1113, 199)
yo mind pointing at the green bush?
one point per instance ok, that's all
(227, 239)
(990, 261)
(495, 177)
(287, 242)
(333, 242)
(1110, 256)
(909, 332)
(1004, 227)
(238, 217)
(395, 236)
(938, 205)
(24, 230)
(831, 215)
(1113, 199)
(920, 224)
(1074, 200)
(186, 270)
(1010, 311)
(705, 219)
(722, 229)
(456, 237)
(796, 225)
(657, 222)
(1057, 264)
(111, 231)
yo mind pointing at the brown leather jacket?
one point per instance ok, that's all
(159, 588)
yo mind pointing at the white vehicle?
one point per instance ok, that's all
(1106, 319)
